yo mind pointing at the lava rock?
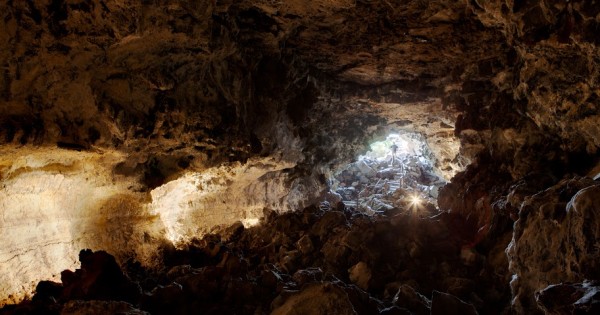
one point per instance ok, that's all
(100, 278)
(327, 223)
(232, 232)
(304, 276)
(408, 298)
(365, 169)
(360, 274)
(99, 307)
(394, 310)
(446, 304)
(554, 239)
(565, 298)
(305, 245)
(48, 290)
(316, 299)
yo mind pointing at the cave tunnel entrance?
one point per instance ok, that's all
(397, 172)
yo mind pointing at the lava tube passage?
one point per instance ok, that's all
(398, 172)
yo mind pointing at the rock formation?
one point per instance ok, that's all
(148, 128)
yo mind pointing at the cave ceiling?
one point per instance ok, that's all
(170, 74)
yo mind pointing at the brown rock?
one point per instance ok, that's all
(99, 307)
(316, 299)
(576, 298)
(446, 304)
(408, 298)
(99, 278)
(360, 274)
(305, 245)
(553, 239)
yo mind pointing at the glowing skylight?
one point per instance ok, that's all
(398, 172)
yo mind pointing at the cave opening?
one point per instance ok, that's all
(398, 171)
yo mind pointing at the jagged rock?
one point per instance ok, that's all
(289, 262)
(232, 232)
(316, 299)
(305, 276)
(394, 310)
(362, 302)
(446, 304)
(459, 286)
(328, 223)
(554, 239)
(271, 279)
(164, 299)
(365, 169)
(233, 264)
(179, 271)
(305, 245)
(99, 307)
(100, 278)
(387, 173)
(360, 274)
(408, 298)
(48, 290)
(564, 298)
(335, 254)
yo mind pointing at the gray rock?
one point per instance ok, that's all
(365, 169)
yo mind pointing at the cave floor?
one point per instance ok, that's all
(304, 262)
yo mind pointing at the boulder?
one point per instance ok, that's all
(570, 298)
(77, 307)
(408, 298)
(555, 240)
(100, 278)
(446, 304)
(316, 299)
(360, 274)
(365, 169)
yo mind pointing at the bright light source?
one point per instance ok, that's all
(415, 200)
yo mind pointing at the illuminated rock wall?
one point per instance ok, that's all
(55, 202)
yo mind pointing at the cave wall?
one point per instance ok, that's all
(529, 117)
(273, 95)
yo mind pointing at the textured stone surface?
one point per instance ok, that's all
(555, 239)
(566, 298)
(316, 299)
(260, 270)
(443, 303)
(262, 99)
(55, 202)
(99, 307)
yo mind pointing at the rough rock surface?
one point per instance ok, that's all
(319, 299)
(443, 303)
(259, 271)
(99, 307)
(242, 105)
(565, 298)
(555, 239)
